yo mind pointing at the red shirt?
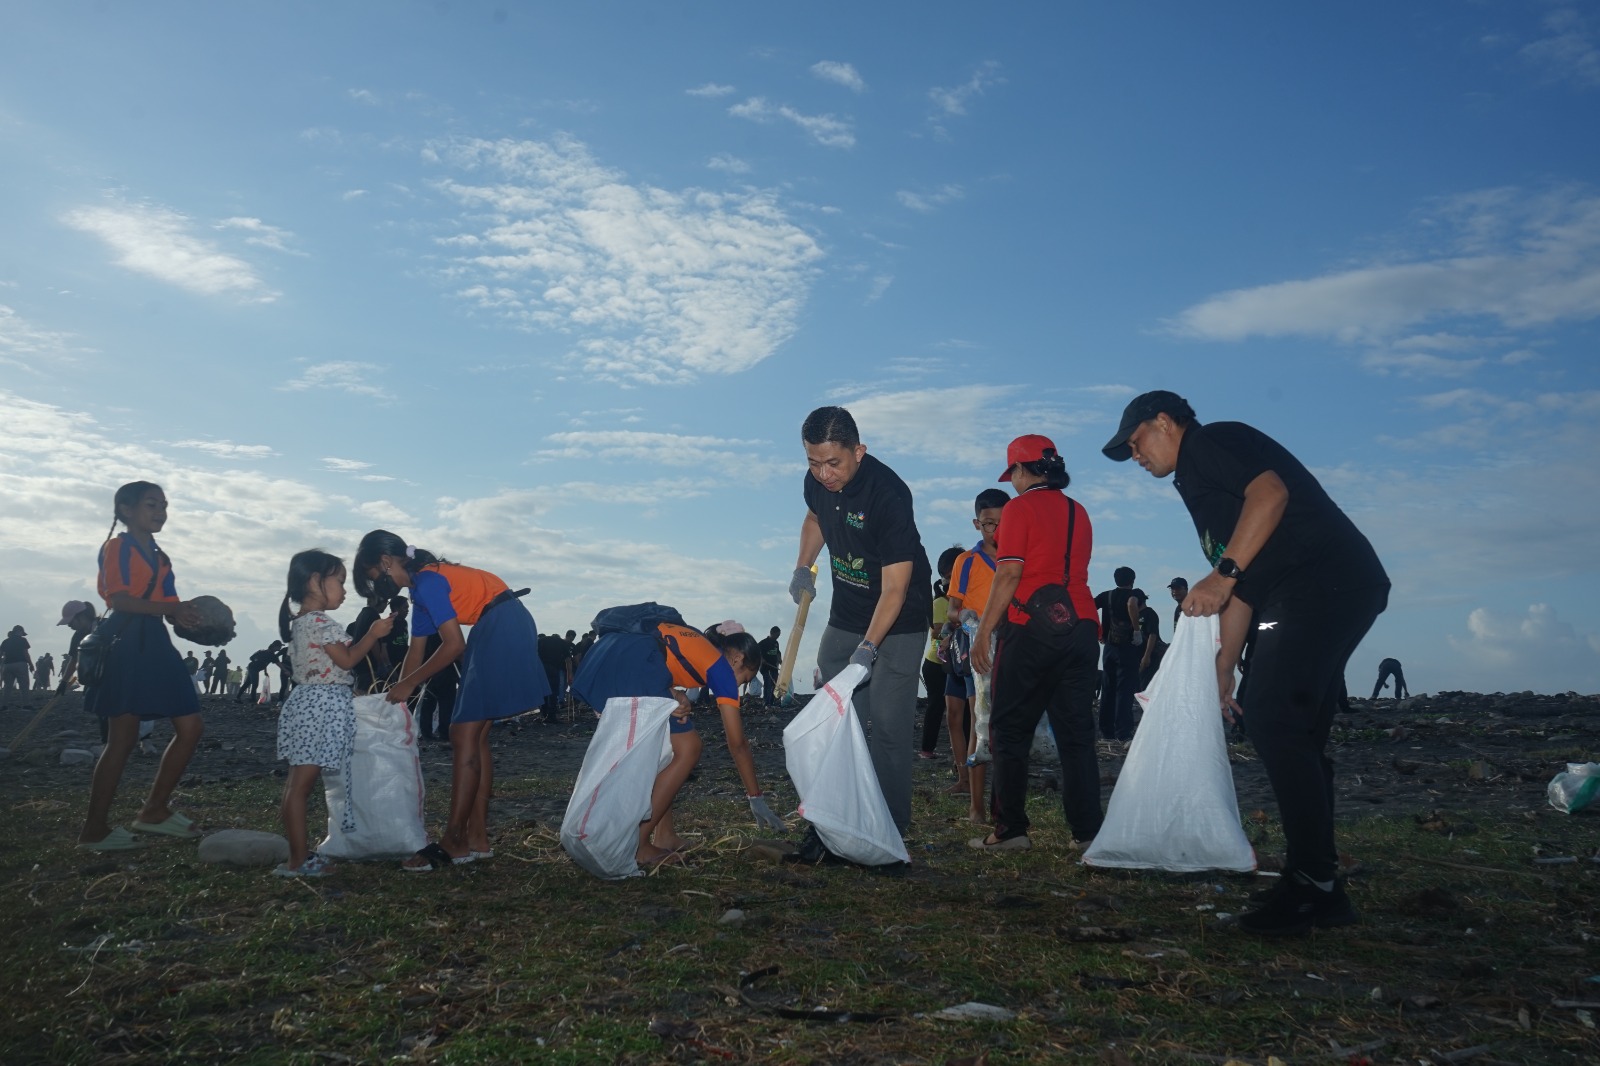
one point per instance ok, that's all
(1033, 532)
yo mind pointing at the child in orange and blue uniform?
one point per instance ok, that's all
(144, 677)
(718, 661)
(317, 726)
(500, 672)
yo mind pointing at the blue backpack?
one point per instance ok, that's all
(630, 656)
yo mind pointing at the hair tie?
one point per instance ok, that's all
(411, 551)
(729, 628)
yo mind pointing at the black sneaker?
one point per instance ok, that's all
(1266, 895)
(1298, 907)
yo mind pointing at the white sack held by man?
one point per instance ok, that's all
(826, 753)
(1174, 807)
(612, 795)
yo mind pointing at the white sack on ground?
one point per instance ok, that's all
(375, 811)
(1174, 807)
(826, 753)
(631, 744)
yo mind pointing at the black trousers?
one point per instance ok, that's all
(933, 675)
(1031, 680)
(1117, 694)
(1293, 679)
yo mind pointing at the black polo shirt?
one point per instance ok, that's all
(1316, 549)
(867, 526)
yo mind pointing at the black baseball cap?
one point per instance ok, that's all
(1178, 582)
(1143, 408)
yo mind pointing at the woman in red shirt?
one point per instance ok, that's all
(1045, 539)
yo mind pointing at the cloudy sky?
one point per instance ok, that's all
(549, 289)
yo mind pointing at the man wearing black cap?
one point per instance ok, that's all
(1179, 587)
(15, 662)
(1296, 586)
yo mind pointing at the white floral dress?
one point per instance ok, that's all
(317, 726)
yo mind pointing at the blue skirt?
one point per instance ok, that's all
(500, 671)
(144, 674)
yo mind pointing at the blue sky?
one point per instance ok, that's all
(550, 289)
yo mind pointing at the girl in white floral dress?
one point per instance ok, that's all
(317, 726)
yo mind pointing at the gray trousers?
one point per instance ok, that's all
(886, 705)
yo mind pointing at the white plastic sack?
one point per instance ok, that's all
(826, 753)
(1044, 750)
(375, 811)
(266, 690)
(631, 744)
(983, 686)
(1576, 787)
(1174, 807)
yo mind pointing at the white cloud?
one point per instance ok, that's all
(954, 101)
(261, 234)
(729, 163)
(729, 456)
(711, 90)
(880, 285)
(1536, 644)
(930, 201)
(1508, 262)
(225, 449)
(352, 194)
(364, 96)
(29, 347)
(158, 242)
(826, 130)
(655, 286)
(1419, 364)
(1569, 51)
(840, 74)
(345, 466)
(344, 376)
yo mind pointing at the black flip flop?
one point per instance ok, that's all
(437, 857)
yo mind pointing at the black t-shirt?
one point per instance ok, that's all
(14, 650)
(1150, 624)
(771, 657)
(553, 651)
(867, 526)
(1113, 603)
(1316, 549)
(261, 660)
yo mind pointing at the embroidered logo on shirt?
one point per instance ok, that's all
(1266, 625)
(855, 519)
(851, 570)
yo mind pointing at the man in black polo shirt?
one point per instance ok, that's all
(882, 606)
(1296, 586)
(1179, 587)
(1124, 641)
(771, 663)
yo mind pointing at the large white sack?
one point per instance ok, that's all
(631, 744)
(1174, 807)
(375, 811)
(826, 753)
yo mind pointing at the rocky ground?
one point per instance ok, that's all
(1442, 756)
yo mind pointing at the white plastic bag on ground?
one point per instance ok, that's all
(375, 810)
(1044, 750)
(1576, 787)
(631, 744)
(826, 753)
(1174, 807)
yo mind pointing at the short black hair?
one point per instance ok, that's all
(830, 425)
(989, 499)
(1124, 577)
(947, 559)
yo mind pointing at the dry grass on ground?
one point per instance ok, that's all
(1470, 951)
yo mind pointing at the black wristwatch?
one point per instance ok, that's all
(1228, 568)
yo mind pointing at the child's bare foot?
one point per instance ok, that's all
(977, 818)
(650, 855)
(669, 841)
(959, 788)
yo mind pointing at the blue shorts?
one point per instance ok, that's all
(962, 688)
(684, 726)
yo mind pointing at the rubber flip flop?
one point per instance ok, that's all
(176, 825)
(437, 859)
(477, 855)
(119, 839)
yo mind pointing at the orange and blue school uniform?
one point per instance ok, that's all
(971, 576)
(500, 672)
(653, 663)
(144, 675)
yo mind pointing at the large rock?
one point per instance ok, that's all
(76, 757)
(244, 847)
(216, 623)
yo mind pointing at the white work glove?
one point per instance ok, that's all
(765, 819)
(803, 581)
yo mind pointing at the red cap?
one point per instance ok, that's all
(1029, 448)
